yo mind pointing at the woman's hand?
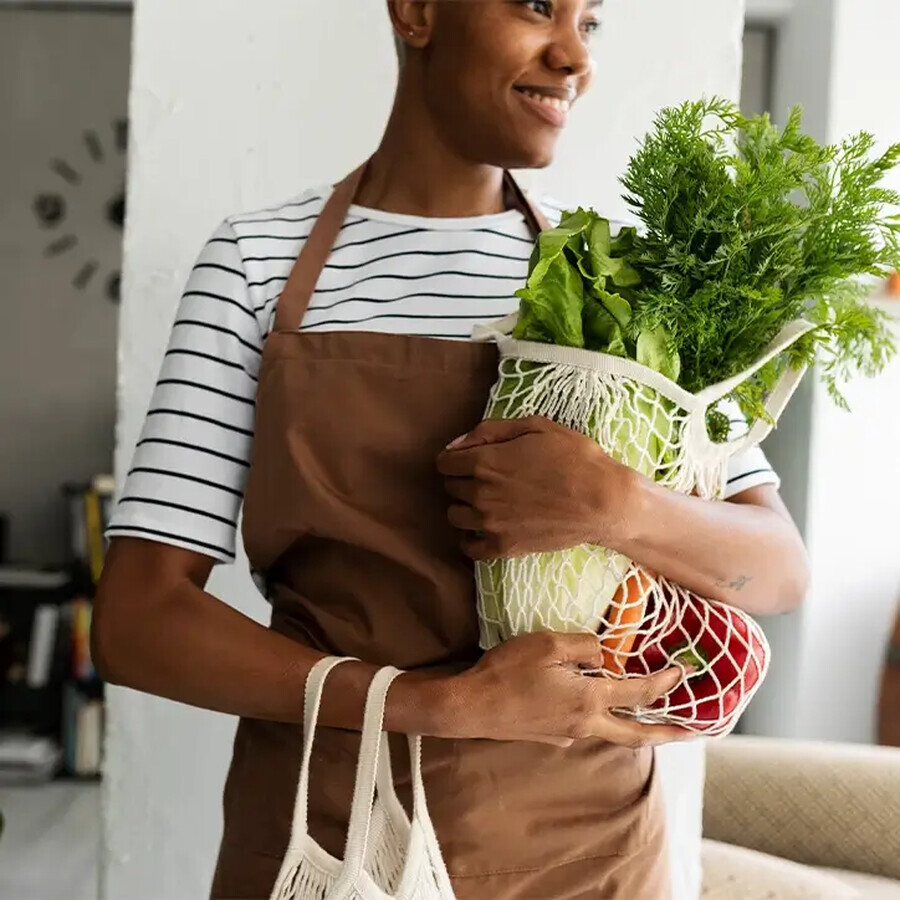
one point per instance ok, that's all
(531, 689)
(529, 486)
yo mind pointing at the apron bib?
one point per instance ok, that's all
(345, 516)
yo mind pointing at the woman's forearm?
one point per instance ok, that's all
(186, 645)
(156, 630)
(748, 554)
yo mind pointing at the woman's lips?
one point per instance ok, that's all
(548, 106)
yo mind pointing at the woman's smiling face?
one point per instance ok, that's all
(498, 77)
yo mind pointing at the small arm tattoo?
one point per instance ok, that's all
(738, 584)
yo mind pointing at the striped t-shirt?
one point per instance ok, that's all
(387, 273)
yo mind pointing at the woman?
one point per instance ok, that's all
(318, 383)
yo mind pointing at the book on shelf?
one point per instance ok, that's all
(90, 508)
(20, 577)
(82, 736)
(42, 647)
(80, 614)
(30, 636)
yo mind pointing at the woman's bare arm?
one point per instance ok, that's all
(746, 552)
(157, 630)
(530, 485)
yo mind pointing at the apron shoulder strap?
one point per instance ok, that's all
(536, 220)
(301, 284)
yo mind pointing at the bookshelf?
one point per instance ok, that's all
(51, 699)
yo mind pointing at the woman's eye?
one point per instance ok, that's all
(541, 7)
(591, 27)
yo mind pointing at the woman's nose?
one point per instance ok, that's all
(569, 52)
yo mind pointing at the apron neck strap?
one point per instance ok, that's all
(297, 293)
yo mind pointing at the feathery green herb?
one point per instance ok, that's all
(746, 227)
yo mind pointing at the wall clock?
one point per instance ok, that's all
(75, 186)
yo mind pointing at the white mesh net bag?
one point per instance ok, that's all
(387, 854)
(645, 420)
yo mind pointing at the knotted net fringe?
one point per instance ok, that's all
(302, 879)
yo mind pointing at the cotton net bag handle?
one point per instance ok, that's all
(696, 404)
(347, 873)
(315, 685)
(373, 771)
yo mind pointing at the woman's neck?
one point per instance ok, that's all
(414, 172)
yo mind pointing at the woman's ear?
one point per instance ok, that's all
(412, 21)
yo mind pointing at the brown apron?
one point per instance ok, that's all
(345, 515)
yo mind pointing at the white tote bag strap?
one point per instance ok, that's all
(788, 336)
(366, 778)
(775, 403)
(315, 685)
(493, 330)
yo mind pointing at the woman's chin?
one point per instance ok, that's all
(532, 157)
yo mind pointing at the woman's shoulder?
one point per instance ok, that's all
(295, 211)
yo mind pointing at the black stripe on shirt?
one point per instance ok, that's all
(152, 501)
(293, 237)
(125, 530)
(178, 351)
(266, 212)
(180, 413)
(378, 259)
(381, 237)
(219, 328)
(221, 268)
(427, 295)
(386, 316)
(193, 478)
(197, 449)
(229, 300)
(426, 275)
(510, 237)
(205, 387)
(266, 283)
(748, 475)
(401, 255)
(337, 246)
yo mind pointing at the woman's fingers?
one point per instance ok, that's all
(464, 489)
(465, 518)
(628, 733)
(633, 692)
(582, 650)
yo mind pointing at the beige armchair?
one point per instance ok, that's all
(785, 820)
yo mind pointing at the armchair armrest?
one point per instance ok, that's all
(821, 804)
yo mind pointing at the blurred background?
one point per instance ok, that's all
(93, 92)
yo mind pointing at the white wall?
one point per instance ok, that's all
(839, 469)
(233, 109)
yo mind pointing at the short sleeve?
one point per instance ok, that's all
(750, 468)
(747, 470)
(189, 469)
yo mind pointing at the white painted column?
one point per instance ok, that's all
(840, 470)
(237, 105)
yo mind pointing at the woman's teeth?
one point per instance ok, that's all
(555, 102)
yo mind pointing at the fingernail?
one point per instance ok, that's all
(458, 442)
